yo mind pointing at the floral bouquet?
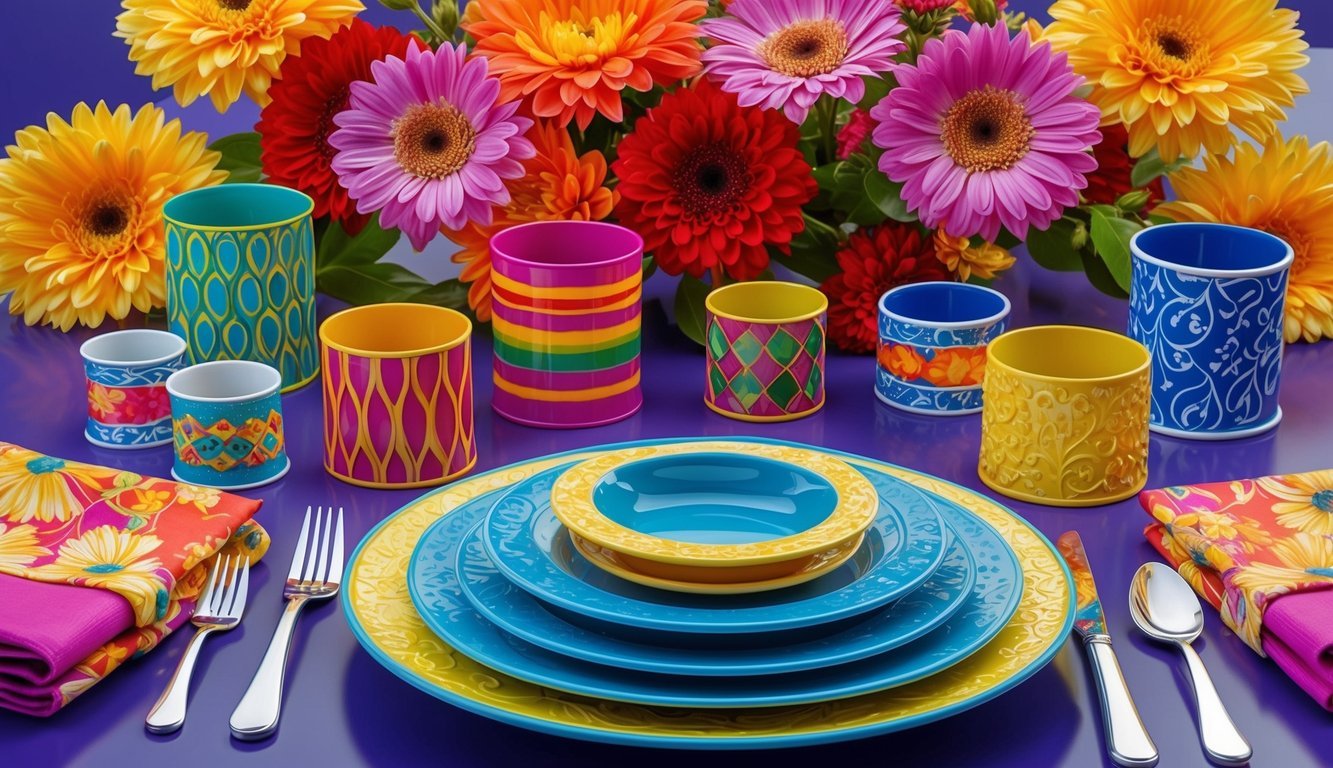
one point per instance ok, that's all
(859, 143)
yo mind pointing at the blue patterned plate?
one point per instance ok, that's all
(433, 584)
(522, 615)
(522, 537)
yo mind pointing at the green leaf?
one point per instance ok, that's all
(1110, 236)
(240, 157)
(690, 295)
(877, 88)
(1157, 218)
(1151, 165)
(366, 247)
(134, 523)
(649, 267)
(1100, 276)
(1053, 248)
(450, 293)
(826, 175)
(887, 195)
(813, 251)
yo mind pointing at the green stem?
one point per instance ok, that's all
(435, 29)
(828, 113)
(812, 224)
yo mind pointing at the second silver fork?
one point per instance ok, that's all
(219, 608)
(316, 571)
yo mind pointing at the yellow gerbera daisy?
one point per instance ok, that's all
(1308, 504)
(81, 212)
(19, 547)
(117, 560)
(1180, 73)
(984, 261)
(1285, 189)
(37, 487)
(223, 47)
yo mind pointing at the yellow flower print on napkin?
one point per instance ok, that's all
(38, 487)
(19, 547)
(203, 499)
(117, 560)
(1307, 500)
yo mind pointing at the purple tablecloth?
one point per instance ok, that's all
(341, 708)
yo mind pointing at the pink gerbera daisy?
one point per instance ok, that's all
(986, 131)
(784, 54)
(426, 144)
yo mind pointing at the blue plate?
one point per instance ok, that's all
(522, 533)
(434, 587)
(524, 616)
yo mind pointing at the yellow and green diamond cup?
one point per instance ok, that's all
(380, 613)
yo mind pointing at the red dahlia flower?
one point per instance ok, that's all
(872, 262)
(294, 128)
(1114, 166)
(708, 183)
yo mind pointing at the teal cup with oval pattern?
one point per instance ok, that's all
(241, 277)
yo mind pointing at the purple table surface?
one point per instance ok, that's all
(341, 708)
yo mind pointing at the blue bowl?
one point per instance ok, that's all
(715, 498)
(1207, 301)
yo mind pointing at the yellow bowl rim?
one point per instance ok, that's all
(1018, 333)
(856, 508)
(760, 285)
(611, 565)
(442, 347)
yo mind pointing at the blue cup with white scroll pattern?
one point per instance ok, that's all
(932, 345)
(1207, 301)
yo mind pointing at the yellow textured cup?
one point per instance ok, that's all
(1065, 416)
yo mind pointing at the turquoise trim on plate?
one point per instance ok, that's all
(631, 738)
(435, 591)
(521, 528)
(520, 614)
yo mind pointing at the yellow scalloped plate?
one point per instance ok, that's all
(380, 613)
(858, 504)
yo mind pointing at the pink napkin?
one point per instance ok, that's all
(1261, 552)
(1299, 637)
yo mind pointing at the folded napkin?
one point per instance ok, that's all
(97, 566)
(1261, 551)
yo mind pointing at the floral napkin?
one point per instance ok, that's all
(97, 566)
(1261, 551)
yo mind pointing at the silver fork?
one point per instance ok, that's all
(315, 573)
(219, 609)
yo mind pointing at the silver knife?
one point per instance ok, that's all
(1127, 741)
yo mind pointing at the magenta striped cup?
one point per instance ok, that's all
(566, 299)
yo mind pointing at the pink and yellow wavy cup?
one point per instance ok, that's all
(397, 395)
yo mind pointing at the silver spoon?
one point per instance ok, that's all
(1165, 609)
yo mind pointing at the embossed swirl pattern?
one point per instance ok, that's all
(1216, 346)
(572, 501)
(399, 421)
(381, 612)
(1053, 441)
(245, 295)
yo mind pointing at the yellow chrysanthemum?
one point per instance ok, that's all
(37, 487)
(223, 47)
(117, 560)
(19, 547)
(1180, 73)
(983, 262)
(81, 212)
(1285, 189)
(1307, 501)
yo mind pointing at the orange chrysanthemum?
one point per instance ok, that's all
(902, 361)
(571, 58)
(1287, 190)
(223, 47)
(965, 260)
(81, 212)
(1180, 73)
(956, 367)
(558, 184)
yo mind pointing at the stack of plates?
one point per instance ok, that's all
(478, 594)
